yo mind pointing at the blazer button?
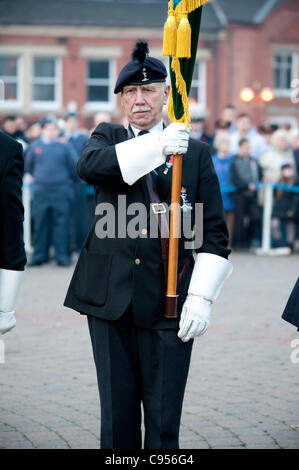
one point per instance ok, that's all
(137, 261)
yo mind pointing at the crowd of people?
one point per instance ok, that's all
(244, 156)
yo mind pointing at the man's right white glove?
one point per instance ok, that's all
(137, 157)
(174, 139)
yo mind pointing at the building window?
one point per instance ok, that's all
(284, 72)
(46, 82)
(100, 74)
(198, 90)
(10, 81)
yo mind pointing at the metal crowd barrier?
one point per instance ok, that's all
(265, 248)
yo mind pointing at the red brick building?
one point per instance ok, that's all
(66, 54)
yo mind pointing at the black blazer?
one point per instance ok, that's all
(106, 278)
(291, 311)
(12, 251)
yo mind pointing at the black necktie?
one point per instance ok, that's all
(154, 174)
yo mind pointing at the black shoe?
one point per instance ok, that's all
(35, 263)
(63, 263)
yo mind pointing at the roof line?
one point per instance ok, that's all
(264, 11)
(219, 12)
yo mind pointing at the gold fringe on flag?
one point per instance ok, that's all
(177, 44)
(183, 47)
(170, 32)
(181, 87)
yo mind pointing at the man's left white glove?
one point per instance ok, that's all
(9, 285)
(209, 273)
(195, 317)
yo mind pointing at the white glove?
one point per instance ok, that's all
(174, 139)
(195, 317)
(137, 157)
(9, 286)
(209, 273)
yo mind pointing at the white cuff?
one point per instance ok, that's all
(209, 273)
(139, 156)
(9, 286)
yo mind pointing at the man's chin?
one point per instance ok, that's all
(144, 121)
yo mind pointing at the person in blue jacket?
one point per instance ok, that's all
(77, 139)
(52, 166)
(222, 161)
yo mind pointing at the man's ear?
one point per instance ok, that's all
(166, 93)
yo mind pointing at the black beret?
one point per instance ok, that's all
(222, 124)
(267, 128)
(142, 69)
(70, 114)
(48, 120)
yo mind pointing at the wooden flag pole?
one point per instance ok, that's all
(174, 232)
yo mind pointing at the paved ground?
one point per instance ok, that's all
(242, 390)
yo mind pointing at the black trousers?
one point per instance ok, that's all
(135, 366)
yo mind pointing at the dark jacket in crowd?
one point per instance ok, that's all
(291, 311)
(78, 141)
(244, 170)
(52, 164)
(285, 201)
(12, 251)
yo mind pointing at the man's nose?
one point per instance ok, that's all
(139, 96)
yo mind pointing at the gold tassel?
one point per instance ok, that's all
(170, 29)
(183, 48)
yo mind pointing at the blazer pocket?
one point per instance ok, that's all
(91, 281)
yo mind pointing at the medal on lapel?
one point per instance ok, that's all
(186, 206)
(168, 165)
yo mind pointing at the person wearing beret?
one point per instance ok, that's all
(142, 357)
(12, 251)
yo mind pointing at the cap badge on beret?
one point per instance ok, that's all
(145, 77)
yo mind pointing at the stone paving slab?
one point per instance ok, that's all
(242, 390)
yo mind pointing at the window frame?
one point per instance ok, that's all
(284, 92)
(56, 81)
(110, 82)
(18, 103)
(201, 85)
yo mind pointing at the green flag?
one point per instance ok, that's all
(181, 34)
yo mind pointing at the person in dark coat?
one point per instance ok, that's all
(285, 210)
(12, 251)
(245, 173)
(291, 310)
(119, 279)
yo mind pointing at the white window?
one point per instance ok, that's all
(99, 83)
(46, 83)
(10, 72)
(284, 71)
(198, 91)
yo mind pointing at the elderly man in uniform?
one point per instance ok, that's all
(119, 281)
(12, 251)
